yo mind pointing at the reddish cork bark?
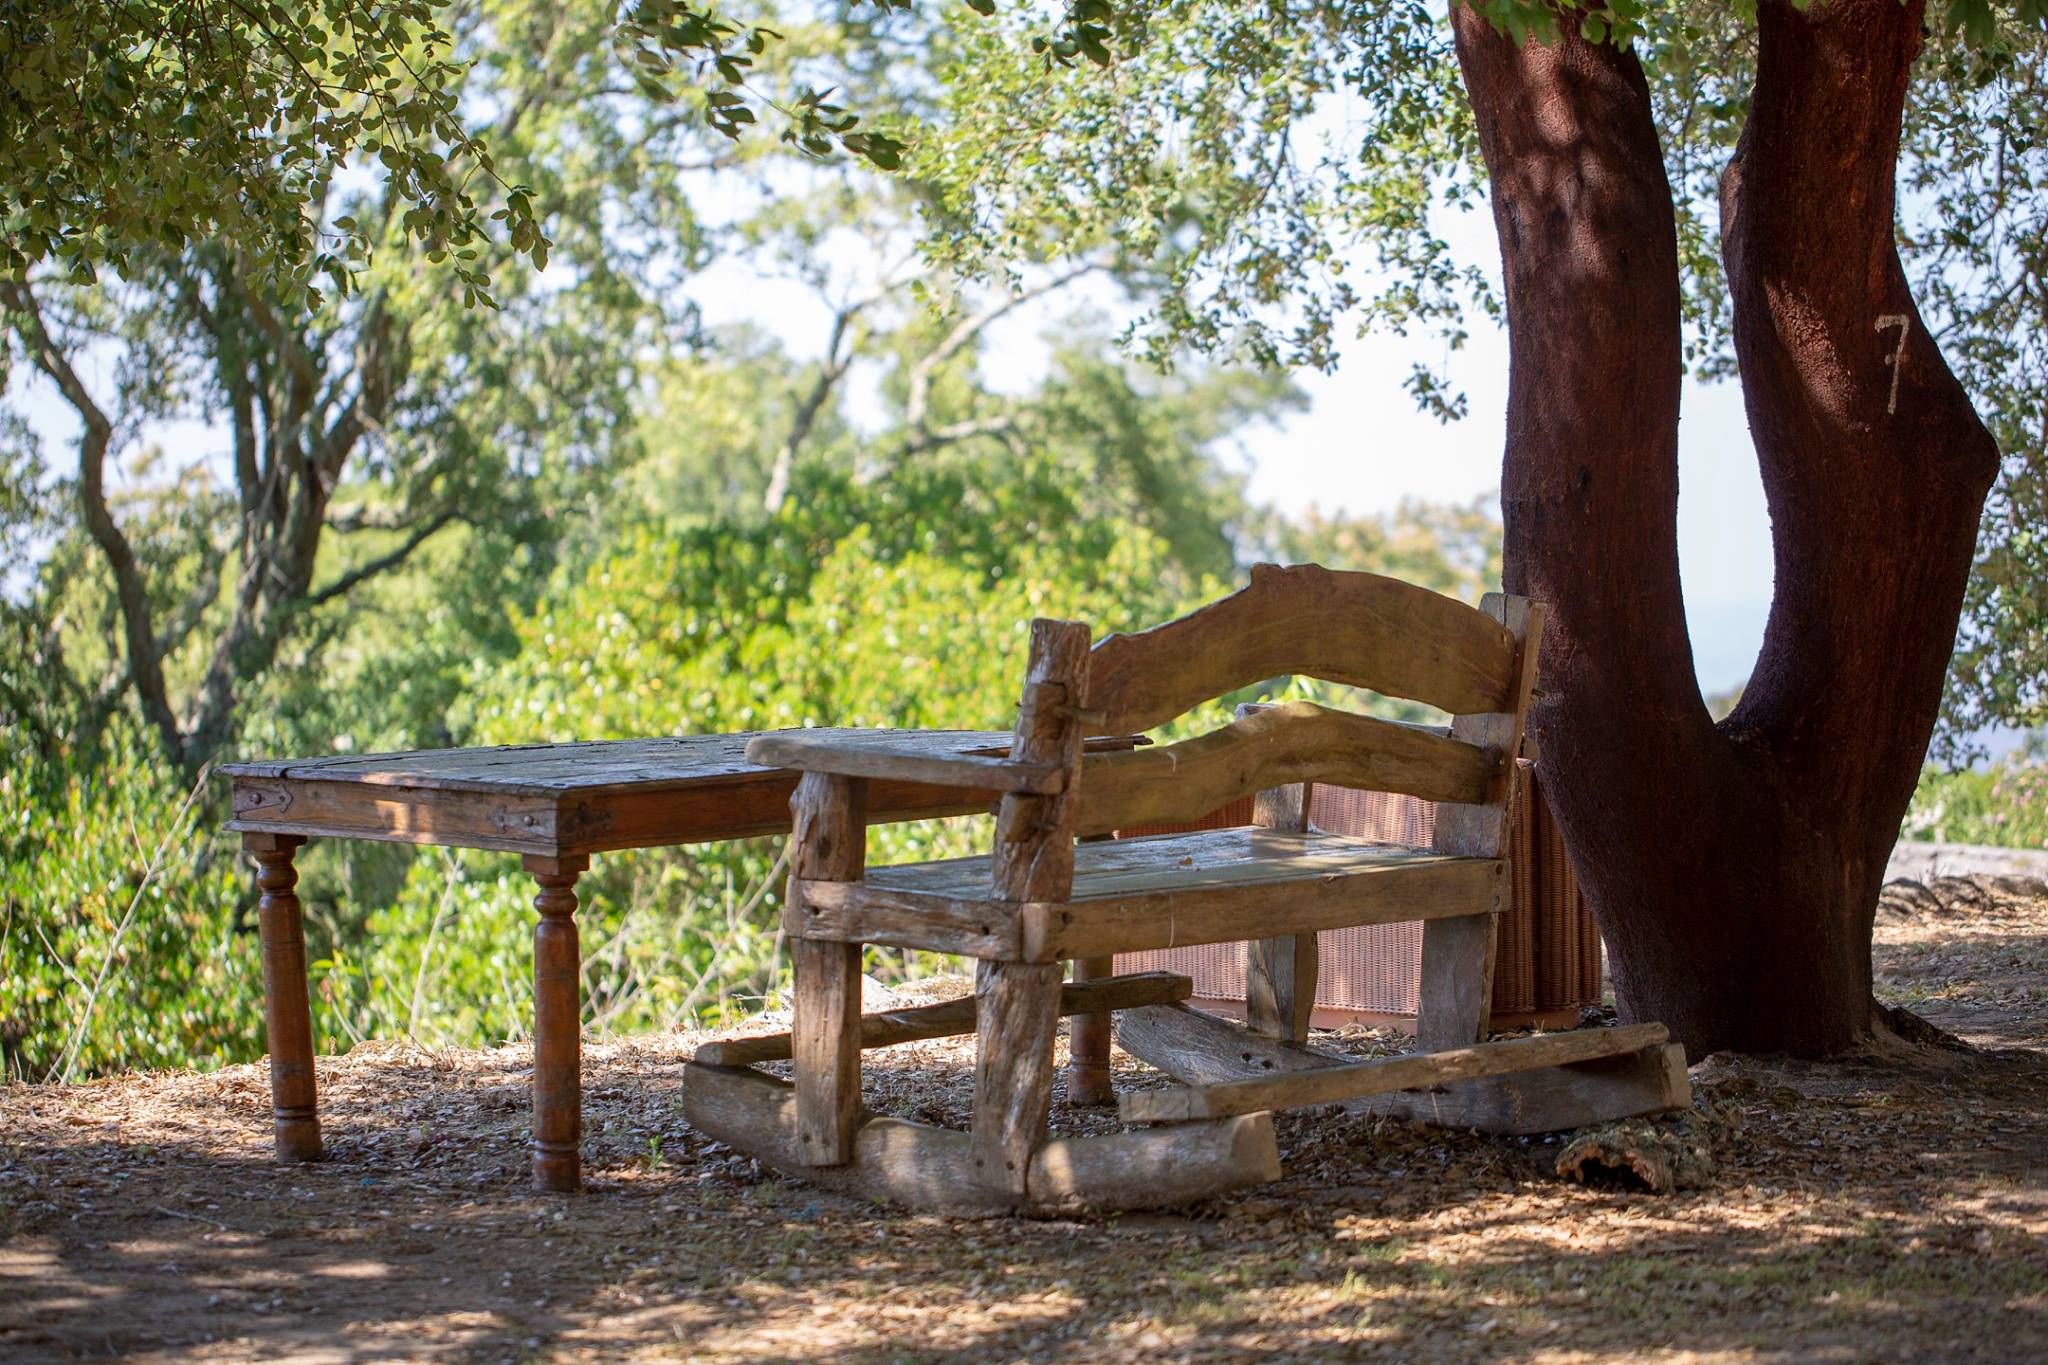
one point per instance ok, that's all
(1733, 868)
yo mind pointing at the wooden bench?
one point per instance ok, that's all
(555, 805)
(1046, 894)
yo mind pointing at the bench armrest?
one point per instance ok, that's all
(904, 756)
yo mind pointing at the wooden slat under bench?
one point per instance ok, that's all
(1200, 1049)
(951, 1018)
(1356, 1080)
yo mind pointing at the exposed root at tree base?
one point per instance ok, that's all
(1894, 1026)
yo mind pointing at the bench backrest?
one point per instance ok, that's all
(1359, 629)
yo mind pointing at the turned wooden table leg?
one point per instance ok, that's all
(557, 1025)
(288, 1012)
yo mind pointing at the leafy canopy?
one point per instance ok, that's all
(128, 125)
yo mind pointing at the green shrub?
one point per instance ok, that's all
(124, 941)
(913, 616)
(2004, 805)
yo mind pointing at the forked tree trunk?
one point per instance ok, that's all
(1733, 869)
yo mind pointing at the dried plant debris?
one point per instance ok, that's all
(1662, 1154)
(1978, 896)
(1881, 1207)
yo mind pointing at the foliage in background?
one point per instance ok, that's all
(2004, 804)
(122, 939)
(134, 127)
(1293, 167)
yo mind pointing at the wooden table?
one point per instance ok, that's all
(555, 805)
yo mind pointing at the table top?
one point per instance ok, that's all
(562, 799)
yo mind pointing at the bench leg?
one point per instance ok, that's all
(824, 1033)
(1457, 981)
(1280, 972)
(1017, 1010)
(1280, 986)
(557, 1025)
(828, 842)
(1088, 1035)
(288, 1012)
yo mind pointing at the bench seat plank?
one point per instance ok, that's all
(1157, 891)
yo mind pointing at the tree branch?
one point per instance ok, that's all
(917, 406)
(831, 369)
(1874, 463)
(345, 584)
(145, 659)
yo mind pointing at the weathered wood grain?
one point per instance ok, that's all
(931, 1169)
(1355, 1080)
(1456, 990)
(1033, 860)
(829, 844)
(1017, 1008)
(1479, 828)
(952, 1018)
(1360, 629)
(863, 912)
(1550, 1099)
(1455, 993)
(1216, 905)
(559, 799)
(1197, 1048)
(870, 753)
(671, 763)
(1275, 746)
(1280, 970)
(1200, 1049)
(1205, 858)
(1223, 912)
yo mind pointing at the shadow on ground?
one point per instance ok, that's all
(1877, 1208)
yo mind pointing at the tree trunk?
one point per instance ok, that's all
(1733, 870)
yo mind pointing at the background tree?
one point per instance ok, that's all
(360, 424)
(145, 125)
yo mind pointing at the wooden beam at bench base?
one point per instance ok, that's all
(1197, 1048)
(928, 1168)
(1201, 1049)
(951, 1018)
(1330, 1081)
(1552, 1099)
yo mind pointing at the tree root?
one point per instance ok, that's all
(1896, 1023)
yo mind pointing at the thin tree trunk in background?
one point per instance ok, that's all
(1733, 870)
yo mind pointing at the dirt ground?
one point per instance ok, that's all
(1885, 1208)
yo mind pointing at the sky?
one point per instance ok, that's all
(1362, 446)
